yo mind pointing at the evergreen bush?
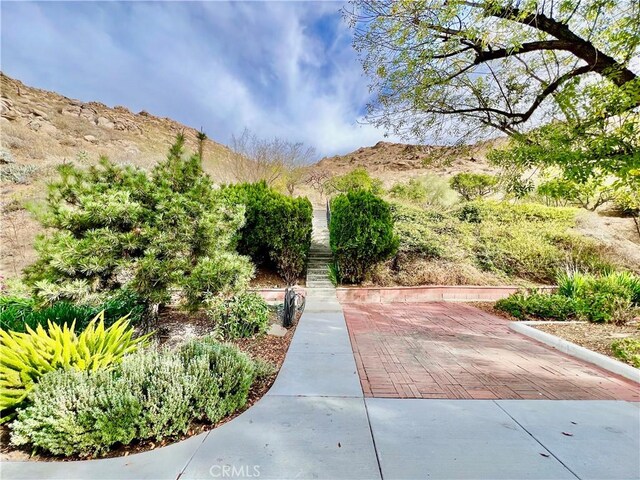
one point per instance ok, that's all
(117, 226)
(361, 233)
(277, 228)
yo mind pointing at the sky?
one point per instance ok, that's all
(279, 69)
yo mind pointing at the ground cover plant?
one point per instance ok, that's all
(153, 394)
(26, 357)
(277, 230)
(610, 297)
(486, 242)
(627, 350)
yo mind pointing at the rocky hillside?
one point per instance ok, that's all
(41, 129)
(398, 161)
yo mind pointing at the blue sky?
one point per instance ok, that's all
(280, 69)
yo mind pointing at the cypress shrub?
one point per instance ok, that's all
(277, 228)
(361, 233)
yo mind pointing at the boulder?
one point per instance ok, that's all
(105, 123)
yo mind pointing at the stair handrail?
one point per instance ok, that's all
(328, 213)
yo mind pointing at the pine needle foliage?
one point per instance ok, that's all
(118, 226)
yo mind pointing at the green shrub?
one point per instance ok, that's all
(149, 395)
(113, 226)
(222, 386)
(277, 227)
(589, 194)
(627, 350)
(596, 298)
(361, 233)
(470, 213)
(17, 314)
(427, 190)
(356, 179)
(601, 298)
(25, 357)
(225, 275)
(244, 315)
(473, 185)
(539, 305)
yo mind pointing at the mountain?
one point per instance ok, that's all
(42, 128)
(392, 162)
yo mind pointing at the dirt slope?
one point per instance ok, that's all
(44, 128)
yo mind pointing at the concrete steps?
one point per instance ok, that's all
(318, 266)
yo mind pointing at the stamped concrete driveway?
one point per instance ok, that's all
(456, 351)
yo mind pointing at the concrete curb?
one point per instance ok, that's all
(577, 351)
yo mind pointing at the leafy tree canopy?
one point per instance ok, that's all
(462, 66)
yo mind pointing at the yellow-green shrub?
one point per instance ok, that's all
(25, 357)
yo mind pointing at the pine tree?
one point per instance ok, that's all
(117, 226)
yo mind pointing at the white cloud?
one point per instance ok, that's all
(280, 69)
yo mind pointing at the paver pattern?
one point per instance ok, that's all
(456, 351)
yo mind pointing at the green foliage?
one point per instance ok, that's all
(596, 298)
(601, 298)
(115, 226)
(589, 194)
(627, 350)
(277, 228)
(627, 197)
(461, 68)
(223, 275)
(361, 233)
(539, 305)
(149, 395)
(244, 315)
(500, 239)
(427, 190)
(356, 179)
(25, 357)
(474, 185)
(19, 313)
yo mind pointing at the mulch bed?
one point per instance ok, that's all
(268, 278)
(594, 336)
(597, 337)
(173, 328)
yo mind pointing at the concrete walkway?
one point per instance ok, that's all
(316, 423)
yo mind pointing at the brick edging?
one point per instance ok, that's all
(275, 294)
(431, 293)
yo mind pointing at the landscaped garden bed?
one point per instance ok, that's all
(136, 327)
(174, 327)
(596, 337)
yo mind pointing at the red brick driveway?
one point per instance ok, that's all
(453, 350)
